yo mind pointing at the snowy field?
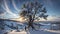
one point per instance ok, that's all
(43, 29)
(34, 32)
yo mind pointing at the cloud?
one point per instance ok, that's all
(53, 18)
(1, 13)
(7, 9)
(15, 5)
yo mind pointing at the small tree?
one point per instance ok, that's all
(32, 11)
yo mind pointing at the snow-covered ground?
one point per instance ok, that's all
(43, 29)
(35, 32)
(23, 32)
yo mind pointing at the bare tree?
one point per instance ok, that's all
(32, 9)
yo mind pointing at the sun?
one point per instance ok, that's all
(21, 19)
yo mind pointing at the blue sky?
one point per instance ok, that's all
(11, 8)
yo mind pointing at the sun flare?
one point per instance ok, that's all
(21, 19)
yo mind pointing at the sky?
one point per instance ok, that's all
(12, 8)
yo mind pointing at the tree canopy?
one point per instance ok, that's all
(34, 9)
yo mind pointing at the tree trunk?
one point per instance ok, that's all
(30, 22)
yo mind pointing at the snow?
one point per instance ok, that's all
(43, 30)
(23, 32)
(33, 32)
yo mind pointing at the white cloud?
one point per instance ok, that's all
(8, 10)
(50, 18)
(15, 5)
(53, 18)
